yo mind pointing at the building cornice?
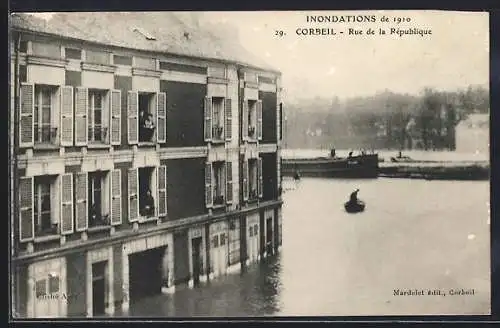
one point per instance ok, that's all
(104, 68)
(146, 72)
(46, 61)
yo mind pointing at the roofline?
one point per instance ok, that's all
(226, 61)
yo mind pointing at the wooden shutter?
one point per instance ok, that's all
(81, 201)
(133, 191)
(229, 182)
(116, 197)
(162, 190)
(245, 179)
(115, 117)
(81, 118)
(281, 121)
(26, 215)
(66, 133)
(228, 114)
(66, 190)
(161, 118)
(132, 117)
(26, 113)
(208, 185)
(260, 185)
(244, 120)
(259, 119)
(208, 119)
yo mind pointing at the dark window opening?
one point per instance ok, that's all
(97, 199)
(122, 60)
(219, 182)
(96, 104)
(146, 198)
(252, 119)
(46, 222)
(44, 130)
(72, 53)
(146, 117)
(23, 47)
(252, 179)
(218, 118)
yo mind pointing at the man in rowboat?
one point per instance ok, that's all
(354, 197)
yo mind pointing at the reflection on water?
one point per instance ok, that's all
(413, 234)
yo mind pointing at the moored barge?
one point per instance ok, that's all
(361, 166)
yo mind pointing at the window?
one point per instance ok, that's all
(217, 71)
(255, 230)
(251, 77)
(41, 288)
(252, 119)
(44, 116)
(23, 47)
(72, 53)
(97, 57)
(98, 131)
(122, 60)
(253, 179)
(219, 182)
(144, 62)
(215, 241)
(218, 118)
(47, 286)
(44, 203)
(147, 110)
(146, 192)
(46, 50)
(98, 195)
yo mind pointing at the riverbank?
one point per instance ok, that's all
(436, 170)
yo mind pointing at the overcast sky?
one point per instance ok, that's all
(454, 56)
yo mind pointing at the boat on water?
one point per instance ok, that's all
(354, 207)
(361, 166)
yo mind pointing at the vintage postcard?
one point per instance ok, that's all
(249, 164)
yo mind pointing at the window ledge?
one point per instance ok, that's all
(45, 146)
(218, 205)
(251, 85)
(98, 146)
(106, 68)
(146, 72)
(252, 140)
(45, 239)
(144, 219)
(218, 141)
(46, 61)
(99, 228)
(146, 143)
(217, 80)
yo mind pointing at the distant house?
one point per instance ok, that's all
(472, 135)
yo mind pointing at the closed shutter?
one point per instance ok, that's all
(162, 190)
(208, 185)
(81, 118)
(115, 117)
(116, 197)
(229, 182)
(161, 118)
(81, 199)
(133, 191)
(66, 191)
(228, 114)
(26, 110)
(66, 132)
(244, 120)
(281, 121)
(26, 218)
(260, 183)
(132, 117)
(208, 119)
(259, 119)
(245, 179)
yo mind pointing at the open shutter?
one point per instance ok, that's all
(133, 191)
(228, 114)
(259, 172)
(281, 121)
(115, 117)
(208, 119)
(26, 217)
(245, 179)
(259, 119)
(229, 182)
(132, 117)
(162, 190)
(116, 197)
(66, 133)
(66, 191)
(81, 118)
(81, 199)
(244, 120)
(208, 185)
(26, 110)
(161, 118)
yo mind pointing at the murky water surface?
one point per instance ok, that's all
(414, 234)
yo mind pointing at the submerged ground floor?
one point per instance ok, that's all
(105, 279)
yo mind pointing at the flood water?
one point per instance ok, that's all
(414, 234)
